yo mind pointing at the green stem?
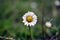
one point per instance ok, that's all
(31, 38)
(25, 34)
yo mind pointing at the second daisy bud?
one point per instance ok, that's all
(48, 24)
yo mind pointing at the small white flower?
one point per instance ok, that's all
(57, 3)
(48, 24)
(29, 19)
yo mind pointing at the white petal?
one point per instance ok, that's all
(32, 13)
(34, 21)
(30, 24)
(34, 17)
(26, 23)
(33, 24)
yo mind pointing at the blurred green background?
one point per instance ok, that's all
(11, 12)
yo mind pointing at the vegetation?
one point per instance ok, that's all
(11, 12)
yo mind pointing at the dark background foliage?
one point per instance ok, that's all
(11, 12)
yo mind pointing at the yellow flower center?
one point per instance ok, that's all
(29, 18)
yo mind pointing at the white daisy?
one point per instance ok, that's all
(29, 19)
(48, 24)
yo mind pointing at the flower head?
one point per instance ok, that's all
(57, 3)
(48, 24)
(29, 19)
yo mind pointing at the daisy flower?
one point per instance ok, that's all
(29, 19)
